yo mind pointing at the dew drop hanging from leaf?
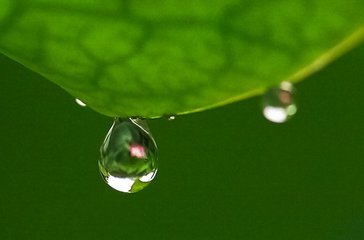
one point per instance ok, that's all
(171, 117)
(129, 160)
(279, 103)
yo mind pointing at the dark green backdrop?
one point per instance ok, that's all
(224, 174)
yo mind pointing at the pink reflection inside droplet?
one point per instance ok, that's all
(137, 151)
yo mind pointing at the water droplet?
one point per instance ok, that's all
(279, 103)
(129, 160)
(171, 118)
(79, 102)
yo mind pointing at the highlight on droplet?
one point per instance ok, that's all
(275, 114)
(79, 102)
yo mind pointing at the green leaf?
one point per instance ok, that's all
(150, 58)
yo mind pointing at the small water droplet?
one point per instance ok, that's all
(129, 160)
(279, 103)
(79, 102)
(171, 118)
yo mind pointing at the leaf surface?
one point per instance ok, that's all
(152, 58)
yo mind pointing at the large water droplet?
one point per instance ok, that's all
(279, 103)
(129, 159)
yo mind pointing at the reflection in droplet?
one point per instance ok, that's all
(129, 160)
(79, 102)
(279, 104)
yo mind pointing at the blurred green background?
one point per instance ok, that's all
(225, 173)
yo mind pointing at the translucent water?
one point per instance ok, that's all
(129, 160)
(279, 103)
